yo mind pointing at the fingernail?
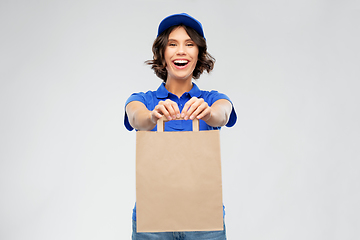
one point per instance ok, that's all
(178, 116)
(192, 117)
(173, 117)
(182, 115)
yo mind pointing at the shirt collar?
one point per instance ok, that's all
(162, 92)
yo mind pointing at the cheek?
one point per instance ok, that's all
(195, 54)
(196, 57)
(167, 55)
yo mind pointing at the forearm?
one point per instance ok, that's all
(220, 113)
(139, 116)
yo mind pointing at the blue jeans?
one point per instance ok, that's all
(199, 235)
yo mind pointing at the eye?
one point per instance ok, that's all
(190, 44)
(172, 44)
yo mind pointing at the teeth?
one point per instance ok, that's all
(181, 61)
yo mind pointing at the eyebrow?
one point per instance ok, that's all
(189, 39)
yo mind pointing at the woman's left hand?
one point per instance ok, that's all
(196, 108)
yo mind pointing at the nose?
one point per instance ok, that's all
(181, 50)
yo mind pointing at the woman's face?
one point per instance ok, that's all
(181, 55)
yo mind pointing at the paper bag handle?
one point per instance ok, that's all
(161, 124)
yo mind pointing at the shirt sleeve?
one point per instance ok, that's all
(134, 97)
(214, 96)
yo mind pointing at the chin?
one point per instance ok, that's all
(183, 78)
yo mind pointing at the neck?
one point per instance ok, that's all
(178, 87)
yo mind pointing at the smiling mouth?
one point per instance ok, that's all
(181, 63)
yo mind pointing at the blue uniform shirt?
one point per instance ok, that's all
(151, 98)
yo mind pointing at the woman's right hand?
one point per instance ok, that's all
(166, 108)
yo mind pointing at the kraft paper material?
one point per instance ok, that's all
(178, 181)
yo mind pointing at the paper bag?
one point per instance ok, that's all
(178, 180)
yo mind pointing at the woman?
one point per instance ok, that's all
(180, 55)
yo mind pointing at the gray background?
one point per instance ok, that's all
(290, 165)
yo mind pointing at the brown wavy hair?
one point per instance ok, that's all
(158, 64)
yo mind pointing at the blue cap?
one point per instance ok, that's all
(181, 18)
